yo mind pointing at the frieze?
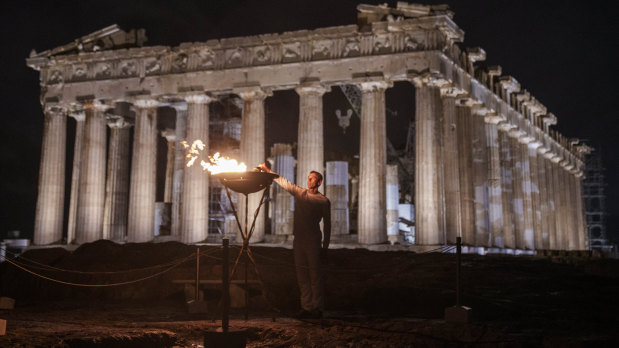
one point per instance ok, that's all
(206, 59)
(352, 48)
(179, 62)
(321, 49)
(152, 66)
(235, 57)
(55, 77)
(382, 44)
(128, 68)
(304, 45)
(292, 52)
(79, 72)
(411, 43)
(261, 55)
(103, 70)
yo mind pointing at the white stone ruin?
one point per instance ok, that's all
(487, 164)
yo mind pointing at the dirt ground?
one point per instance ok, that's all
(373, 299)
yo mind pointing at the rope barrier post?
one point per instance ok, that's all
(225, 282)
(225, 338)
(197, 274)
(458, 264)
(458, 313)
(246, 287)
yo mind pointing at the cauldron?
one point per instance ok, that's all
(246, 182)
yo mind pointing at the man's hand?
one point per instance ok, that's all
(264, 167)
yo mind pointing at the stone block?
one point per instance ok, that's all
(237, 296)
(7, 303)
(458, 314)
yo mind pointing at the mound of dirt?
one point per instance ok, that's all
(515, 299)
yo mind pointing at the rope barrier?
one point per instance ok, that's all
(43, 266)
(99, 285)
(171, 265)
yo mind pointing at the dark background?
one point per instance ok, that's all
(563, 52)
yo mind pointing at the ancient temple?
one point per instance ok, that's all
(488, 166)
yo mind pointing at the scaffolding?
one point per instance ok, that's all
(594, 197)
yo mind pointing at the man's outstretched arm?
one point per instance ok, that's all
(283, 182)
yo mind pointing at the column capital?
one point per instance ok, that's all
(449, 91)
(90, 102)
(509, 84)
(116, 121)
(196, 97)
(516, 133)
(535, 144)
(146, 102)
(490, 116)
(542, 150)
(549, 119)
(315, 88)
(549, 155)
(556, 158)
(506, 126)
(433, 80)
(374, 86)
(468, 102)
(252, 93)
(55, 109)
(169, 134)
(526, 139)
(78, 115)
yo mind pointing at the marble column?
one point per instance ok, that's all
(252, 154)
(550, 188)
(543, 199)
(117, 187)
(495, 198)
(392, 205)
(50, 198)
(570, 208)
(507, 185)
(143, 182)
(451, 165)
(528, 241)
(535, 195)
(170, 136)
(91, 196)
(195, 197)
(282, 216)
(464, 119)
(518, 189)
(179, 168)
(559, 199)
(428, 197)
(336, 180)
(371, 217)
(480, 178)
(310, 150)
(80, 118)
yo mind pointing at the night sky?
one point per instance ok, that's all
(563, 52)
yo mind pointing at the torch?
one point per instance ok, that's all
(235, 176)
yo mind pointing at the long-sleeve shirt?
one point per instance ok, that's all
(309, 209)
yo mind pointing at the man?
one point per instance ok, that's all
(310, 206)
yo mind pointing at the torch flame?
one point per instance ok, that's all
(216, 164)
